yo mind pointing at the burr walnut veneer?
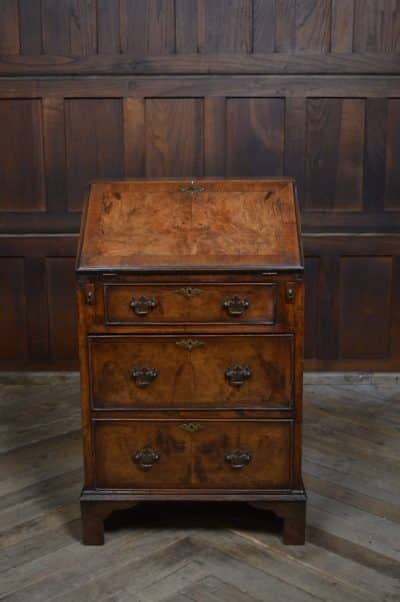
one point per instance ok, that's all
(190, 299)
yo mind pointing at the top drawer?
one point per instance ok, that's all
(177, 303)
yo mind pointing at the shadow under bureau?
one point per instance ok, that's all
(190, 298)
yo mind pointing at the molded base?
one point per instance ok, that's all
(97, 506)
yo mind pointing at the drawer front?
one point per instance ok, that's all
(224, 303)
(207, 454)
(158, 372)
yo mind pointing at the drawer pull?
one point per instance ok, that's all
(143, 305)
(191, 427)
(189, 344)
(143, 377)
(237, 375)
(235, 306)
(238, 458)
(189, 292)
(146, 457)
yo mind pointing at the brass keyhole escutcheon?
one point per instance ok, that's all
(189, 292)
(191, 427)
(192, 188)
(189, 344)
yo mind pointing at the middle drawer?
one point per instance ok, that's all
(191, 372)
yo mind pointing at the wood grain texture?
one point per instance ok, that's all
(335, 171)
(213, 551)
(134, 137)
(22, 186)
(201, 303)
(69, 27)
(188, 379)
(311, 322)
(196, 60)
(108, 27)
(186, 15)
(320, 354)
(214, 136)
(285, 31)
(13, 315)
(30, 21)
(392, 188)
(375, 154)
(365, 292)
(174, 137)
(230, 224)
(313, 25)
(54, 153)
(342, 24)
(94, 149)
(161, 376)
(255, 137)
(261, 63)
(295, 143)
(376, 26)
(9, 27)
(224, 26)
(60, 287)
(147, 27)
(193, 459)
(264, 26)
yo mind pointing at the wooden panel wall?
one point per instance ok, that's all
(120, 88)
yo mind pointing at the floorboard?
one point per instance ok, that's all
(214, 552)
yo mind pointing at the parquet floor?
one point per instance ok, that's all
(203, 553)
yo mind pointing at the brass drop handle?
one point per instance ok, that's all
(237, 375)
(143, 305)
(238, 458)
(235, 306)
(146, 457)
(143, 377)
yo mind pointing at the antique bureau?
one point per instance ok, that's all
(190, 297)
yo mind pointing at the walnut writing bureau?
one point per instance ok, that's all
(190, 299)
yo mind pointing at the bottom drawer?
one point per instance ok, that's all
(236, 454)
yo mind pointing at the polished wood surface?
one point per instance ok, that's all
(167, 552)
(226, 224)
(182, 409)
(191, 371)
(193, 455)
(201, 88)
(183, 302)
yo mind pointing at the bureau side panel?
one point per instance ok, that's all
(81, 295)
(298, 383)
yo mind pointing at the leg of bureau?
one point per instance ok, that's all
(93, 515)
(92, 524)
(293, 515)
(294, 524)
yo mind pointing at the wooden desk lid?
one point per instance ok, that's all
(211, 225)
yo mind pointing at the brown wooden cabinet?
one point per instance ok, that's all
(190, 298)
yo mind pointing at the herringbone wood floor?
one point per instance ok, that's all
(203, 552)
